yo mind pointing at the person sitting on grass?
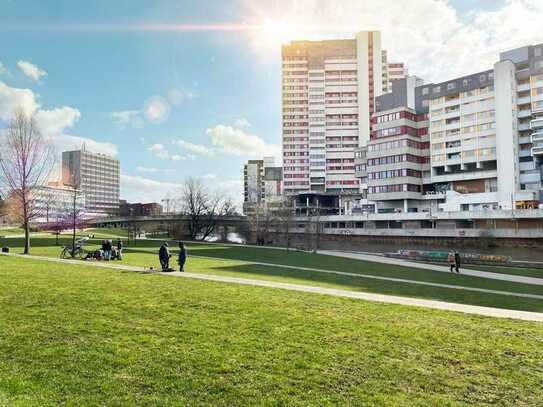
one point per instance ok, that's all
(182, 256)
(164, 256)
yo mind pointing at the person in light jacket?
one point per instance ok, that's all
(451, 261)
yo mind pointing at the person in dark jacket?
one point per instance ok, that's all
(182, 256)
(457, 261)
(119, 249)
(164, 256)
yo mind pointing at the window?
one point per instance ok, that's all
(451, 86)
(437, 89)
(465, 83)
(482, 78)
(425, 91)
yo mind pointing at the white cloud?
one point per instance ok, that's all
(65, 142)
(53, 122)
(238, 142)
(242, 123)
(178, 96)
(197, 149)
(3, 69)
(12, 99)
(435, 40)
(30, 70)
(140, 189)
(153, 170)
(127, 118)
(160, 151)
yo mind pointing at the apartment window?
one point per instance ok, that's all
(451, 86)
(482, 78)
(465, 83)
(437, 89)
(425, 91)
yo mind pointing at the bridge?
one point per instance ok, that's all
(165, 219)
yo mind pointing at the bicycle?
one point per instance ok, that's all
(77, 253)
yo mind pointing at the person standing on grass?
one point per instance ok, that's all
(451, 261)
(182, 256)
(164, 256)
(457, 261)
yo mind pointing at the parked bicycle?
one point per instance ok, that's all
(78, 252)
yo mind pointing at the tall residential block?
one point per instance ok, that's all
(253, 185)
(484, 132)
(329, 90)
(97, 176)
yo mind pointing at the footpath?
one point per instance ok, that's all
(390, 299)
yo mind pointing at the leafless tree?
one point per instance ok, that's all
(26, 162)
(285, 216)
(203, 208)
(73, 213)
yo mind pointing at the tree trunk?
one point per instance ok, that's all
(27, 238)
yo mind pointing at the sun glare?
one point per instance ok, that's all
(274, 33)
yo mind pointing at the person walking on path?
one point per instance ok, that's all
(457, 261)
(182, 256)
(451, 261)
(119, 249)
(164, 256)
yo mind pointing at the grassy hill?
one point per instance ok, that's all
(80, 335)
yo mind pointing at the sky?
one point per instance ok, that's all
(178, 89)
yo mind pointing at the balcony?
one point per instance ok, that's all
(524, 113)
(536, 123)
(524, 100)
(523, 87)
(537, 137)
(537, 150)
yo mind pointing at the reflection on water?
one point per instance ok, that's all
(231, 237)
(519, 254)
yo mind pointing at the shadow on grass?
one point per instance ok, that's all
(380, 287)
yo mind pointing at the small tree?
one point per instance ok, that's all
(26, 161)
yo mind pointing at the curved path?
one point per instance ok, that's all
(441, 305)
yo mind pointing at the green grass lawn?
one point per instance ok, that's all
(236, 261)
(80, 335)
(10, 231)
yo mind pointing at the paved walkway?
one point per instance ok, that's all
(376, 258)
(433, 267)
(392, 279)
(467, 309)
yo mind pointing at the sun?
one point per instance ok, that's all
(275, 33)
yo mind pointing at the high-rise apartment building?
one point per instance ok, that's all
(329, 90)
(397, 158)
(484, 132)
(253, 185)
(392, 71)
(262, 182)
(97, 176)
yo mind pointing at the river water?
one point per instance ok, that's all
(516, 253)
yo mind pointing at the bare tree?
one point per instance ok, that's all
(26, 161)
(203, 208)
(286, 216)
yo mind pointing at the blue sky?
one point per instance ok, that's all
(173, 104)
